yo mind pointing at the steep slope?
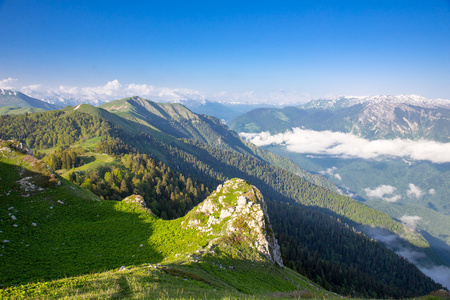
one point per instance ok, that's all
(57, 230)
(15, 99)
(176, 120)
(289, 198)
(179, 122)
(380, 117)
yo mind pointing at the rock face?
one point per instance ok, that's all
(237, 213)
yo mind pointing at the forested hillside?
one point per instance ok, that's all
(315, 227)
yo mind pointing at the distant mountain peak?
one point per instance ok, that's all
(8, 92)
(136, 98)
(10, 98)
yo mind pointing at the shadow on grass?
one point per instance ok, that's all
(61, 231)
(88, 159)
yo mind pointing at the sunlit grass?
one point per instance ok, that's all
(64, 242)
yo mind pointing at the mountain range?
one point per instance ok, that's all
(224, 110)
(171, 157)
(379, 117)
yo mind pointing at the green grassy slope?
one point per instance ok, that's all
(54, 230)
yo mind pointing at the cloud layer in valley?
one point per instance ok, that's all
(347, 145)
(381, 191)
(410, 221)
(414, 191)
(440, 274)
(331, 172)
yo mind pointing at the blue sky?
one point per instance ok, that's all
(260, 50)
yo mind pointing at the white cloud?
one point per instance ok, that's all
(432, 191)
(6, 83)
(439, 274)
(280, 97)
(331, 172)
(392, 199)
(410, 221)
(347, 145)
(30, 89)
(381, 191)
(414, 191)
(112, 90)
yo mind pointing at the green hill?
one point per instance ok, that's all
(54, 230)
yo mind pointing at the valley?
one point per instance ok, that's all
(405, 176)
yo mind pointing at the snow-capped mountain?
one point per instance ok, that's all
(387, 101)
(10, 98)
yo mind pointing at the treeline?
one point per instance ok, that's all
(54, 128)
(63, 158)
(169, 194)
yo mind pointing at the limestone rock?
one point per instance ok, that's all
(237, 211)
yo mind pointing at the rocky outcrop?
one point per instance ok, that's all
(237, 211)
(138, 201)
(21, 147)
